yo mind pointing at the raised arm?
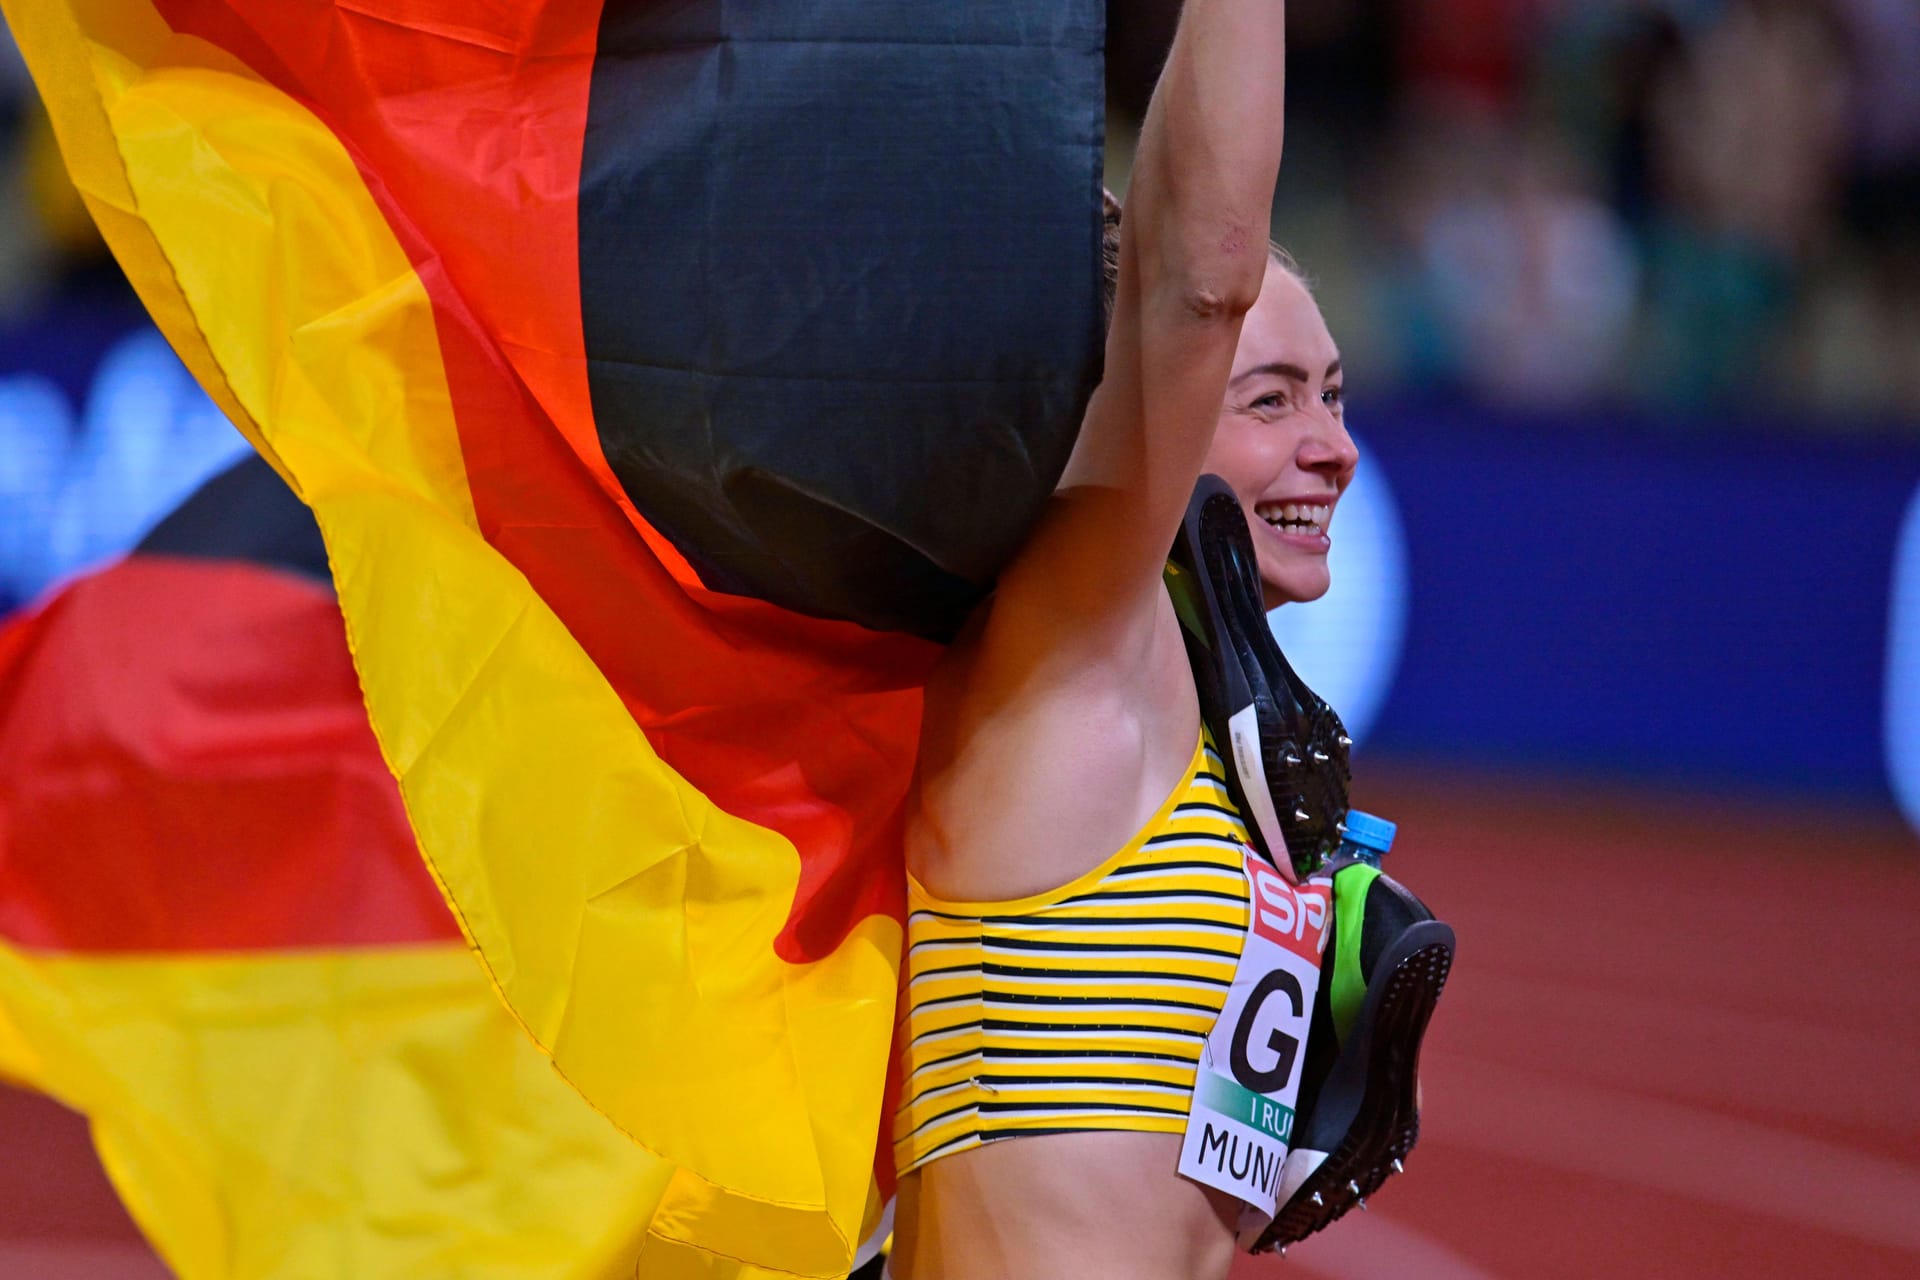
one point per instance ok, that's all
(1193, 253)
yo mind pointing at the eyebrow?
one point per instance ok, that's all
(1280, 368)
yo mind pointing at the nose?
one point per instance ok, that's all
(1327, 448)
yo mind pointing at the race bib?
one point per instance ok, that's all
(1249, 1077)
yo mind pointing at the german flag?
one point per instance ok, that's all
(217, 941)
(667, 379)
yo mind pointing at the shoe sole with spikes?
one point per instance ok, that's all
(1286, 750)
(1367, 1118)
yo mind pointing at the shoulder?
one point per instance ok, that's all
(1042, 753)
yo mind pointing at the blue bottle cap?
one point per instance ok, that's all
(1371, 832)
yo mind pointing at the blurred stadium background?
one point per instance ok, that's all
(1627, 617)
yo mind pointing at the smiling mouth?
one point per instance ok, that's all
(1305, 518)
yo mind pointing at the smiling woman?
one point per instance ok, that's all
(1275, 380)
(1084, 962)
(1282, 441)
(1078, 903)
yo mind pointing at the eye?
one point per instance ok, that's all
(1333, 397)
(1273, 400)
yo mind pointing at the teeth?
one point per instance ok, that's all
(1296, 517)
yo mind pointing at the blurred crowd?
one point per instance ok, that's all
(48, 245)
(1706, 207)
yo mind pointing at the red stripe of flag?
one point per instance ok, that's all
(186, 765)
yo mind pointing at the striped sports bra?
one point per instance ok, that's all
(1083, 1008)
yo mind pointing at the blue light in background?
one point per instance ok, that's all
(1902, 716)
(75, 492)
(36, 434)
(1346, 644)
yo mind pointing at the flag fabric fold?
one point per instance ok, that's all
(666, 380)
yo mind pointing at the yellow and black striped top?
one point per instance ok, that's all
(1084, 1008)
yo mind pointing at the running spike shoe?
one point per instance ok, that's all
(1359, 1108)
(1285, 749)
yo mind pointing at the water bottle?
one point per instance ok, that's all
(1367, 837)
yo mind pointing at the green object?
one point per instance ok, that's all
(1350, 887)
(1180, 590)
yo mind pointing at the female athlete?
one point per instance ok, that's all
(1055, 1002)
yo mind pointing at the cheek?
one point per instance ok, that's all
(1242, 458)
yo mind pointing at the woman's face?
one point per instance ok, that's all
(1281, 443)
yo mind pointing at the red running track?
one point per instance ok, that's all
(1682, 1039)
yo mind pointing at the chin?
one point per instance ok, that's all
(1293, 588)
